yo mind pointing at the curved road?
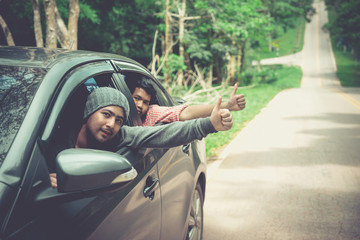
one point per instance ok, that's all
(294, 171)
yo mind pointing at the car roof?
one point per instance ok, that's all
(47, 57)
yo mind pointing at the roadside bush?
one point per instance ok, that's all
(252, 76)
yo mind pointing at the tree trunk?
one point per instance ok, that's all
(242, 61)
(167, 38)
(230, 69)
(270, 41)
(7, 33)
(37, 24)
(182, 12)
(50, 23)
(209, 79)
(74, 11)
(217, 68)
(62, 33)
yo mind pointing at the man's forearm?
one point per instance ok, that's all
(198, 111)
(169, 135)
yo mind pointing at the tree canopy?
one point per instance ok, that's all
(345, 26)
(179, 40)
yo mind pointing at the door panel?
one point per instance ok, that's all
(136, 217)
(176, 171)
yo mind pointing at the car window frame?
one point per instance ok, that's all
(68, 86)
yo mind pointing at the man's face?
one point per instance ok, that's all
(142, 101)
(105, 123)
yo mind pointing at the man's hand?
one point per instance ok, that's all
(221, 119)
(236, 102)
(53, 180)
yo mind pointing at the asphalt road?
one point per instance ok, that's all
(294, 171)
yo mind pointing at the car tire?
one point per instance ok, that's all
(196, 215)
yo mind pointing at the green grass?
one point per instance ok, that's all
(289, 43)
(256, 99)
(348, 71)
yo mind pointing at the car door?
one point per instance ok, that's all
(39, 212)
(176, 170)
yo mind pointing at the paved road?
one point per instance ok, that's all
(294, 171)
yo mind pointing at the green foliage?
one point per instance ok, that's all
(19, 18)
(348, 69)
(175, 64)
(197, 49)
(86, 12)
(285, 12)
(344, 23)
(288, 43)
(253, 76)
(126, 28)
(224, 28)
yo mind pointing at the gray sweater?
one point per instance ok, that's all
(164, 136)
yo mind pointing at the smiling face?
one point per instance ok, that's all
(105, 123)
(142, 101)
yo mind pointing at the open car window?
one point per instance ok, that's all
(131, 79)
(71, 118)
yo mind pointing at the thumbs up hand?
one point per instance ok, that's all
(221, 119)
(236, 102)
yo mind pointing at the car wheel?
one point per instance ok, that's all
(196, 218)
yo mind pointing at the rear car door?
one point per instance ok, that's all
(177, 171)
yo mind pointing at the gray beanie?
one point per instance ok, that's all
(103, 97)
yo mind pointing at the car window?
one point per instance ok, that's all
(161, 96)
(17, 89)
(131, 79)
(72, 117)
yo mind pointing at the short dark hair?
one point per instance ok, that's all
(146, 84)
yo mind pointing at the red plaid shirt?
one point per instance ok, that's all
(158, 113)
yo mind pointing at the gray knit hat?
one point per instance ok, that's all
(105, 96)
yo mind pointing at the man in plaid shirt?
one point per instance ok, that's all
(152, 114)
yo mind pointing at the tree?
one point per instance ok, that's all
(50, 23)
(344, 27)
(7, 32)
(37, 24)
(55, 26)
(225, 30)
(182, 18)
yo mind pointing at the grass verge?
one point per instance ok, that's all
(348, 70)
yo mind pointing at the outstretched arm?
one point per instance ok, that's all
(176, 133)
(235, 103)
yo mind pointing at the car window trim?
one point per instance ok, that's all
(71, 81)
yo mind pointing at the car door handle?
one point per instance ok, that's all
(151, 185)
(185, 149)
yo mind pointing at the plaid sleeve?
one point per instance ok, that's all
(158, 114)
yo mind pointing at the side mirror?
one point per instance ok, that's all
(179, 100)
(89, 169)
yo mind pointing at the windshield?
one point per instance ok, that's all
(17, 88)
